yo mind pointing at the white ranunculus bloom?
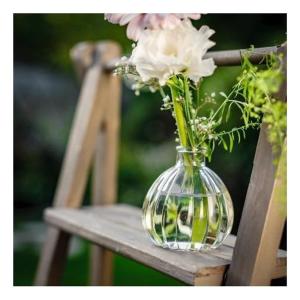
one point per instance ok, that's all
(164, 52)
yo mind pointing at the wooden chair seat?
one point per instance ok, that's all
(119, 228)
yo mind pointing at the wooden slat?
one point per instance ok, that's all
(273, 227)
(234, 57)
(88, 118)
(104, 185)
(73, 177)
(101, 259)
(53, 257)
(263, 220)
(119, 228)
(224, 57)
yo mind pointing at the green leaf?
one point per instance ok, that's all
(244, 133)
(223, 94)
(230, 143)
(239, 136)
(224, 144)
(228, 112)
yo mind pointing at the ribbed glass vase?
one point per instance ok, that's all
(188, 207)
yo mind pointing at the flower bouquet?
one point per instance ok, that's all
(189, 207)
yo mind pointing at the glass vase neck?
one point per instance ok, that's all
(190, 157)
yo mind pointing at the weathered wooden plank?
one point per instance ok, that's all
(273, 227)
(130, 217)
(254, 214)
(106, 154)
(104, 187)
(119, 228)
(262, 221)
(132, 243)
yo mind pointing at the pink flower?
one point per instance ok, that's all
(139, 22)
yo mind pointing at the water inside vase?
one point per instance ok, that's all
(189, 222)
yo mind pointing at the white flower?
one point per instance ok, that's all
(162, 53)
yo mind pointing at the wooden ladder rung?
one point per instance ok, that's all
(119, 228)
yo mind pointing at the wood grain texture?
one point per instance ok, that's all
(272, 230)
(262, 220)
(119, 228)
(89, 115)
(104, 184)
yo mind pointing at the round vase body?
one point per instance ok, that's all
(188, 207)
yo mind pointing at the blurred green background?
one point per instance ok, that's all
(45, 96)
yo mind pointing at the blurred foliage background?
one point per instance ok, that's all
(45, 96)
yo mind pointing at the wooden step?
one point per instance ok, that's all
(119, 228)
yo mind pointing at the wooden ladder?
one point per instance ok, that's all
(251, 258)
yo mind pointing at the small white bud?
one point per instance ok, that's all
(166, 99)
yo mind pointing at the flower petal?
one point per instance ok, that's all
(135, 28)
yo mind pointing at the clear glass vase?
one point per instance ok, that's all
(188, 207)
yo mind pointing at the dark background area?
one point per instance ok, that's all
(45, 96)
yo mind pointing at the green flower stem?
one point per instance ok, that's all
(200, 215)
(181, 123)
(179, 117)
(181, 111)
(188, 106)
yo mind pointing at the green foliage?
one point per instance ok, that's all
(275, 117)
(199, 128)
(252, 96)
(259, 87)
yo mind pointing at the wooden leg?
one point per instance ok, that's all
(263, 219)
(101, 262)
(53, 257)
(99, 89)
(104, 188)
